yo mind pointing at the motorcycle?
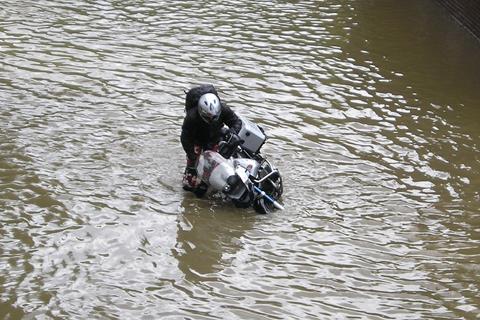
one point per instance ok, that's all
(240, 172)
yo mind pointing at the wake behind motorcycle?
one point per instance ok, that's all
(240, 172)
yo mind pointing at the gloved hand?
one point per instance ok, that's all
(225, 132)
(190, 180)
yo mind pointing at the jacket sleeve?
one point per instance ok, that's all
(187, 137)
(231, 119)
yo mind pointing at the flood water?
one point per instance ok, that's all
(371, 108)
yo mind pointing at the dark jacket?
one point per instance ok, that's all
(195, 131)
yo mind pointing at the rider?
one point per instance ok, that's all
(201, 130)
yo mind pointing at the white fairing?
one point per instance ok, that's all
(214, 169)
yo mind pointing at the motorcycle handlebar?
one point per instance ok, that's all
(231, 137)
(231, 141)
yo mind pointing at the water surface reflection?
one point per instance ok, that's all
(370, 108)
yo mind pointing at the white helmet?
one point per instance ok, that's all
(209, 107)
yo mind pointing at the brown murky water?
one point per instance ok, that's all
(372, 112)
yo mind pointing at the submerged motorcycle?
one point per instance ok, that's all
(240, 172)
